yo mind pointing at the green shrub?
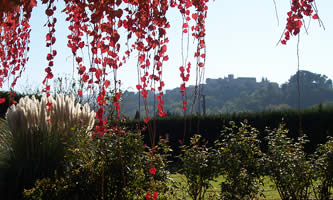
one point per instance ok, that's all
(287, 165)
(5, 141)
(115, 166)
(5, 148)
(323, 170)
(37, 138)
(241, 162)
(199, 166)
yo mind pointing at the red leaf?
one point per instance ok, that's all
(92, 69)
(99, 113)
(299, 24)
(315, 16)
(142, 58)
(78, 59)
(147, 63)
(81, 45)
(49, 76)
(202, 44)
(284, 42)
(112, 54)
(49, 12)
(94, 50)
(79, 93)
(194, 16)
(107, 83)
(163, 49)
(53, 40)
(138, 87)
(48, 70)
(74, 49)
(2, 100)
(183, 87)
(144, 94)
(82, 69)
(49, 57)
(146, 120)
(48, 37)
(48, 105)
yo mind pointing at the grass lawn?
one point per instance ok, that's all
(269, 191)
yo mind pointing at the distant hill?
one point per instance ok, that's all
(229, 94)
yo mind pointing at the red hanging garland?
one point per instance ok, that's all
(299, 9)
(100, 22)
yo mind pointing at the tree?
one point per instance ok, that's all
(314, 89)
(137, 115)
(310, 80)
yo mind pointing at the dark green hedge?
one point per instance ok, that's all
(317, 124)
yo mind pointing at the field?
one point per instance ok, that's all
(270, 193)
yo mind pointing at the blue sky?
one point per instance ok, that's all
(241, 40)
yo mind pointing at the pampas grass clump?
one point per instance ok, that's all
(31, 114)
(38, 139)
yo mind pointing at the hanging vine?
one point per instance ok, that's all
(295, 21)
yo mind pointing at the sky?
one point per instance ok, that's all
(241, 39)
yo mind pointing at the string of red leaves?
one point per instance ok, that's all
(299, 9)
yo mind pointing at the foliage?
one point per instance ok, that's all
(31, 156)
(323, 170)
(5, 141)
(243, 94)
(115, 165)
(287, 165)
(241, 162)
(199, 166)
(298, 11)
(106, 33)
(61, 186)
(37, 144)
(318, 118)
(5, 148)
